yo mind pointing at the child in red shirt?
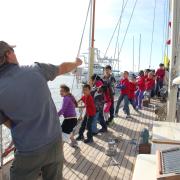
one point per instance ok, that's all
(149, 85)
(132, 90)
(160, 73)
(124, 87)
(141, 89)
(90, 114)
(150, 82)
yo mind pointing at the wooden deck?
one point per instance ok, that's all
(91, 162)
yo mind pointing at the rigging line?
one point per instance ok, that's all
(80, 45)
(117, 40)
(84, 28)
(119, 51)
(152, 39)
(119, 20)
(1, 150)
(164, 30)
(166, 36)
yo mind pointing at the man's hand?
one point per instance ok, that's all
(78, 61)
(67, 67)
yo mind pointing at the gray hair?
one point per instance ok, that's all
(3, 60)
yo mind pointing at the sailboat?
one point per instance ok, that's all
(96, 67)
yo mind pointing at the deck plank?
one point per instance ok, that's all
(90, 161)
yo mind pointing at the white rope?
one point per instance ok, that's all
(1, 149)
(80, 45)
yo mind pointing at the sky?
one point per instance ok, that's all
(49, 31)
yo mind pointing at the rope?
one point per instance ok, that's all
(1, 149)
(80, 45)
(164, 30)
(152, 39)
(119, 52)
(117, 40)
(119, 21)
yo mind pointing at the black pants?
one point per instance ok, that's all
(87, 122)
(111, 111)
(126, 104)
(102, 121)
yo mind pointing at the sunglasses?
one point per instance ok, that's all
(11, 49)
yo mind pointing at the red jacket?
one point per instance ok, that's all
(125, 83)
(107, 96)
(141, 83)
(149, 84)
(160, 73)
(132, 89)
(146, 77)
(90, 105)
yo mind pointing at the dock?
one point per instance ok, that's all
(90, 161)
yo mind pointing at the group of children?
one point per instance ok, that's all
(132, 90)
(98, 100)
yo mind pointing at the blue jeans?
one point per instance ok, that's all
(159, 85)
(139, 98)
(126, 104)
(98, 118)
(153, 91)
(94, 123)
(132, 102)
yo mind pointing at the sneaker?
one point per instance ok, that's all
(116, 115)
(88, 141)
(80, 138)
(74, 144)
(103, 130)
(128, 116)
(95, 133)
(111, 123)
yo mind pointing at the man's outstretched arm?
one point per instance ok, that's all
(69, 66)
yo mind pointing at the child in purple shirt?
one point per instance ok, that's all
(68, 112)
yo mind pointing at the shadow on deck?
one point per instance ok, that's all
(91, 162)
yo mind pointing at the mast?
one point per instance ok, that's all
(139, 53)
(175, 60)
(133, 55)
(91, 49)
(118, 59)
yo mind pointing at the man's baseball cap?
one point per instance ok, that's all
(4, 47)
